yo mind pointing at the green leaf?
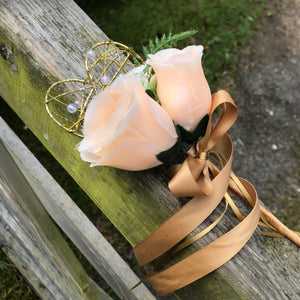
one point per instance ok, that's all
(135, 61)
(199, 131)
(151, 46)
(165, 42)
(168, 156)
(151, 93)
(146, 52)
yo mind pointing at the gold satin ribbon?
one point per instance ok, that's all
(200, 178)
(268, 219)
(187, 218)
(185, 183)
(210, 257)
(192, 178)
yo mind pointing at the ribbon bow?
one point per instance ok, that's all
(192, 178)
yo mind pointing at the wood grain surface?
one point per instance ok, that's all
(33, 242)
(112, 268)
(48, 42)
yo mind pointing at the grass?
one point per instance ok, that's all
(12, 284)
(224, 26)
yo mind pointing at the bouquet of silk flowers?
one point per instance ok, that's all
(142, 115)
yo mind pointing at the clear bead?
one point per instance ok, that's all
(72, 107)
(91, 54)
(105, 79)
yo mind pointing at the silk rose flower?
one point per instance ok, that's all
(181, 85)
(125, 128)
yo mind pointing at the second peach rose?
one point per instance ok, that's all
(181, 85)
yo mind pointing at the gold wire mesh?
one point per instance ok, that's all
(66, 100)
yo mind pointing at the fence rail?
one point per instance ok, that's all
(42, 42)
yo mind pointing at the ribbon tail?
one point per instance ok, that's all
(266, 215)
(280, 227)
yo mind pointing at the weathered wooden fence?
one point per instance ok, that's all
(45, 41)
(28, 196)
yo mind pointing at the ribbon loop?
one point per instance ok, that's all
(199, 176)
(193, 178)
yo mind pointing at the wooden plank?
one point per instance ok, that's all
(32, 241)
(73, 222)
(49, 44)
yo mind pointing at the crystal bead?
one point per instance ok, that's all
(105, 79)
(72, 107)
(91, 54)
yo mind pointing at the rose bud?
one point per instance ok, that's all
(125, 128)
(181, 85)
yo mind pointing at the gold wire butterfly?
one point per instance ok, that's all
(66, 100)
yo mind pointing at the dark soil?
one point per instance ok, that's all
(267, 133)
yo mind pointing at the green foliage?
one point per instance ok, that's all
(199, 131)
(12, 284)
(166, 41)
(135, 61)
(167, 157)
(4, 265)
(223, 26)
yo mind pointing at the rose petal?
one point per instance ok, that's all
(130, 155)
(181, 84)
(136, 131)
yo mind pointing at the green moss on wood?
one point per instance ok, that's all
(117, 193)
(49, 234)
(124, 197)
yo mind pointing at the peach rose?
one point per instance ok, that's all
(125, 128)
(181, 85)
